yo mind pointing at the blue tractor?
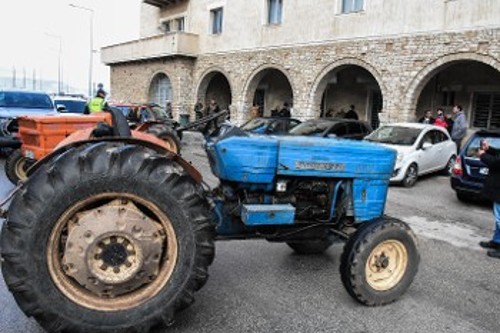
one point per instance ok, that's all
(116, 234)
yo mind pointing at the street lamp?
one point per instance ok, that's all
(91, 11)
(59, 62)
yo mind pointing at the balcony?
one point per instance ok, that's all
(160, 46)
(162, 3)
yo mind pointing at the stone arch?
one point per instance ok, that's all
(162, 82)
(206, 78)
(321, 79)
(254, 79)
(428, 72)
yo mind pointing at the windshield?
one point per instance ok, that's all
(473, 147)
(71, 105)
(395, 135)
(311, 128)
(159, 113)
(25, 100)
(254, 124)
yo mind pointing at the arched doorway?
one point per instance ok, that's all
(269, 89)
(470, 83)
(215, 85)
(160, 89)
(349, 86)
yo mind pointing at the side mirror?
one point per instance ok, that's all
(426, 145)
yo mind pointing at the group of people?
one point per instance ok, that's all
(456, 124)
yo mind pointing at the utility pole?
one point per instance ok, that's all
(91, 61)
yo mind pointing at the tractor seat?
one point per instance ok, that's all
(119, 128)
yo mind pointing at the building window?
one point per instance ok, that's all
(275, 10)
(166, 26)
(351, 6)
(217, 19)
(486, 110)
(179, 23)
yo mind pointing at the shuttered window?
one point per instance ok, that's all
(486, 110)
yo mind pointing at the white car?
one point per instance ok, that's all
(421, 149)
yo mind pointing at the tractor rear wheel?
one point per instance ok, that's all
(107, 237)
(166, 134)
(316, 246)
(379, 261)
(16, 166)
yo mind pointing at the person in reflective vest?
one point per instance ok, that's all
(96, 104)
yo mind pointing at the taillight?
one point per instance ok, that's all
(457, 167)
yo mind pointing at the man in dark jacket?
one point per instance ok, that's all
(491, 190)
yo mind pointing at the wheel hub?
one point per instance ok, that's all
(113, 249)
(386, 265)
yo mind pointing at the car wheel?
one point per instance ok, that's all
(411, 175)
(448, 169)
(464, 197)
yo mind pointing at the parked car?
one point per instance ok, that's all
(421, 148)
(469, 172)
(69, 104)
(342, 128)
(270, 125)
(15, 103)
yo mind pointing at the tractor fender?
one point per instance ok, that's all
(82, 137)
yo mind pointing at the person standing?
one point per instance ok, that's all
(351, 114)
(459, 130)
(96, 104)
(198, 109)
(491, 190)
(440, 121)
(285, 111)
(169, 110)
(427, 118)
(449, 122)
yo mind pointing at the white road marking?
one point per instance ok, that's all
(459, 235)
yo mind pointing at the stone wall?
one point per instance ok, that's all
(402, 66)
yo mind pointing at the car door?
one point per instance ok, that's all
(442, 146)
(426, 157)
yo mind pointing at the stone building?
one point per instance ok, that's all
(392, 59)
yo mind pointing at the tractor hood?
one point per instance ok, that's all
(258, 158)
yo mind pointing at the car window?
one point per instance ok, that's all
(354, 128)
(310, 128)
(473, 147)
(292, 123)
(339, 130)
(255, 124)
(428, 138)
(440, 137)
(25, 100)
(396, 135)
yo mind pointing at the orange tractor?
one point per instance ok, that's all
(40, 135)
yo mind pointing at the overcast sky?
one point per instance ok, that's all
(27, 28)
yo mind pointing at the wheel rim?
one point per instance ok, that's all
(172, 145)
(386, 265)
(21, 167)
(411, 175)
(112, 252)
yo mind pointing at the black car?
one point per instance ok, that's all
(270, 125)
(342, 128)
(469, 172)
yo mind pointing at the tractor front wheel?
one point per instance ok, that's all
(16, 166)
(168, 135)
(109, 237)
(379, 261)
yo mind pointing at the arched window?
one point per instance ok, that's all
(160, 89)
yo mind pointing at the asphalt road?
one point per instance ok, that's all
(255, 286)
